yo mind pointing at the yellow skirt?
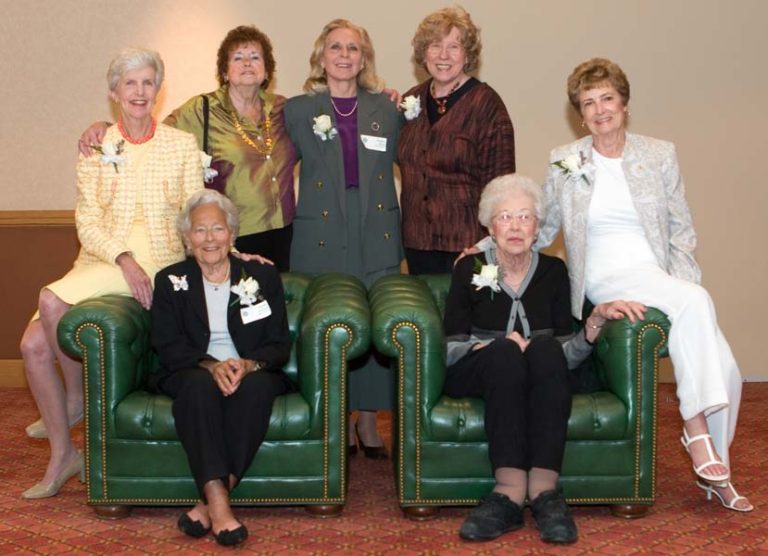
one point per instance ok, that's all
(87, 280)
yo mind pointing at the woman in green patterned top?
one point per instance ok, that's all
(248, 155)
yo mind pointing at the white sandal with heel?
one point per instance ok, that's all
(710, 490)
(720, 480)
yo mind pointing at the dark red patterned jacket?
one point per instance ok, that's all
(445, 167)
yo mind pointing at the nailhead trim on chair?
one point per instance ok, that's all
(401, 387)
(143, 501)
(464, 501)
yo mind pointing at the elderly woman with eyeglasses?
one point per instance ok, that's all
(220, 330)
(459, 139)
(510, 341)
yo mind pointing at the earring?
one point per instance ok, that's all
(493, 238)
(583, 124)
(626, 110)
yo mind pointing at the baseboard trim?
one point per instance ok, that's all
(12, 374)
(37, 218)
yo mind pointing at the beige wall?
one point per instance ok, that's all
(697, 69)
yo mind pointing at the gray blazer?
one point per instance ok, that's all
(657, 190)
(320, 227)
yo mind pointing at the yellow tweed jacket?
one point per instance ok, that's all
(107, 197)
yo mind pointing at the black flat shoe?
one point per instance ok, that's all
(553, 518)
(352, 449)
(495, 515)
(192, 527)
(225, 537)
(371, 452)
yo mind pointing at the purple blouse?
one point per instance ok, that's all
(347, 126)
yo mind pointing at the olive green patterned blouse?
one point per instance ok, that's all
(259, 184)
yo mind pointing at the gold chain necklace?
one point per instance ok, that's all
(342, 114)
(266, 138)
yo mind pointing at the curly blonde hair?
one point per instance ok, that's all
(593, 73)
(367, 78)
(437, 25)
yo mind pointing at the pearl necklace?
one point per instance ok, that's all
(139, 141)
(217, 285)
(342, 114)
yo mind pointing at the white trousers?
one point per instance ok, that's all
(708, 379)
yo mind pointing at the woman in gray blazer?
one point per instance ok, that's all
(347, 218)
(620, 200)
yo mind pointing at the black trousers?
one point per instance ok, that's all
(272, 244)
(430, 262)
(221, 434)
(527, 400)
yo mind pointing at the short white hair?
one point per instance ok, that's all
(134, 58)
(504, 187)
(208, 197)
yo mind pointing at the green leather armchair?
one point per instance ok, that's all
(440, 450)
(132, 453)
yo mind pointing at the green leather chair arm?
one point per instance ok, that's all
(632, 352)
(335, 328)
(407, 325)
(109, 332)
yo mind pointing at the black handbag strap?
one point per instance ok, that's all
(205, 123)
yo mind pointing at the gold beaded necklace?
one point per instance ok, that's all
(266, 145)
(265, 137)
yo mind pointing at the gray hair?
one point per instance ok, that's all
(208, 197)
(503, 187)
(129, 59)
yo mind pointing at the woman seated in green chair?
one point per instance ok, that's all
(510, 341)
(220, 329)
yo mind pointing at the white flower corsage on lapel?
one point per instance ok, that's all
(111, 153)
(486, 275)
(179, 282)
(323, 127)
(574, 165)
(208, 172)
(247, 289)
(411, 106)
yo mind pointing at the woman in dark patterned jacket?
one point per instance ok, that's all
(458, 137)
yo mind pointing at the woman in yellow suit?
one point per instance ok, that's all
(129, 195)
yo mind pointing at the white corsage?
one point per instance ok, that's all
(323, 127)
(247, 289)
(411, 106)
(486, 275)
(208, 172)
(111, 153)
(574, 165)
(179, 282)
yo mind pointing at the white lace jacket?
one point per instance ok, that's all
(657, 190)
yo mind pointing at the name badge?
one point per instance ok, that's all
(373, 143)
(255, 312)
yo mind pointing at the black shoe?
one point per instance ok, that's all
(226, 537)
(371, 452)
(352, 449)
(495, 515)
(553, 518)
(193, 528)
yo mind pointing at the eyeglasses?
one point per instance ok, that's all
(523, 218)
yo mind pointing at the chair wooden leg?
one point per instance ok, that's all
(629, 511)
(324, 510)
(112, 512)
(421, 513)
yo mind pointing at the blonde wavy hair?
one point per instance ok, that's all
(367, 78)
(437, 25)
